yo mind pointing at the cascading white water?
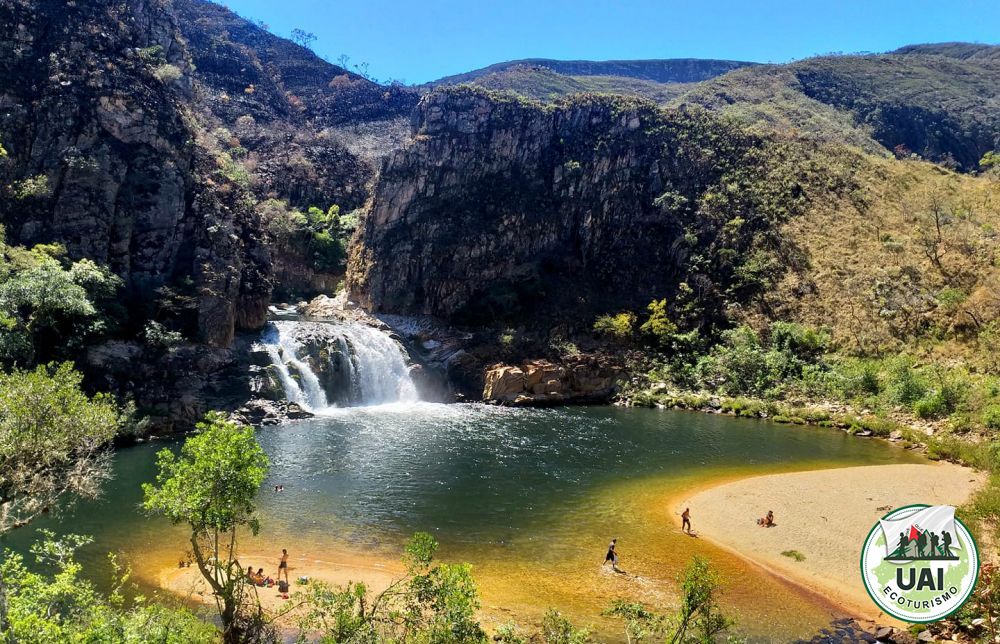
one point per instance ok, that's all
(360, 365)
(378, 368)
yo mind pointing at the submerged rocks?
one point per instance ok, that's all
(540, 382)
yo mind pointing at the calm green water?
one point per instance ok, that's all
(530, 497)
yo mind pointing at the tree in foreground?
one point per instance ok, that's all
(212, 486)
(53, 441)
(431, 603)
(51, 602)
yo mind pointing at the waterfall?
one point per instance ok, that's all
(324, 365)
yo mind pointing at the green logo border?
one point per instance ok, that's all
(864, 577)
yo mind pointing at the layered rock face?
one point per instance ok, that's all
(102, 158)
(540, 382)
(500, 207)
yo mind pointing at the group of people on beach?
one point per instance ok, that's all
(260, 579)
(766, 521)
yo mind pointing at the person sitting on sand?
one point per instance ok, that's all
(612, 555)
(250, 573)
(686, 520)
(767, 521)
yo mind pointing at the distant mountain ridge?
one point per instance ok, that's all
(667, 70)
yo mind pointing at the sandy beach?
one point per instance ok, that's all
(825, 515)
(332, 567)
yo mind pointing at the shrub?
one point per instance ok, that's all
(991, 417)
(933, 406)
(659, 327)
(36, 187)
(618, 326)
(556, 629)
(905, 385)
(159, 337)
(167, 73)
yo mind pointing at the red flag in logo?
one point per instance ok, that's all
(914, 533)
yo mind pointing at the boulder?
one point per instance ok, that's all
(503, 383)
(542, 382)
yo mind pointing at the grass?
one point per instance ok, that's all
(794, 554)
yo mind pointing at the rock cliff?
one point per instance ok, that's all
(502, 207)
(103, 158)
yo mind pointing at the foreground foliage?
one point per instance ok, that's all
(51, 601)
(431, 603)
(699, 618)
(212, 487)
(52, 441)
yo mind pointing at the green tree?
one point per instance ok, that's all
(620, 326)
(53, 441)
(212, 486)
(49, 309)
(556, 629)
(699, 618)
(431, 603)
(53, 602)
(658, 326)
(641, 624)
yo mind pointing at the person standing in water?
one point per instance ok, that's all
(686, 520)
(612, 555)
(283, 565)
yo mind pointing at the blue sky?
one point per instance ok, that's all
(424, 40)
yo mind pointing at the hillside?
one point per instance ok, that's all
(543, 84)
(675, 70)
(936, 101)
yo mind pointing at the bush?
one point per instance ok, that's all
(556, 629)
(159, 337)
(659, 327)
(905, 386)
(35, 187)
(167, 73)
(991, 417)
(933, 406)
(618, 326)
(64, 606)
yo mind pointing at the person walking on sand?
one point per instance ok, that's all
(283, 565)
(686, 520)
(612, 555)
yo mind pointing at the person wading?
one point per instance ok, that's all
(612, 555)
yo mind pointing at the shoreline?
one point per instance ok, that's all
(801, 502)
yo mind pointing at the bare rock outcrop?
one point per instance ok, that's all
(542, 382)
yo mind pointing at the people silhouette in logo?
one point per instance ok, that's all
(921, 543)
(904, 543)
(934, 544)
(945, 543)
